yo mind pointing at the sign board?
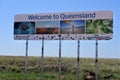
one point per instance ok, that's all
(70, 25)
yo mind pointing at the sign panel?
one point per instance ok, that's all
(70, 25)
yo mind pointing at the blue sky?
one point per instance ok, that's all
(9, 46)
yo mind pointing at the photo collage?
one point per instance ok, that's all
(68, 29)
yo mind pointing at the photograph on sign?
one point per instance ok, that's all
(24, 28)
(71, 26)
(47, 27)
(100, 26)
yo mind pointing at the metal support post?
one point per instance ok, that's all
(26, 61)
(59, 61)
(96, 60)
(78, 60)
(42, 60)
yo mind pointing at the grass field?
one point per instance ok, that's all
(12, 68)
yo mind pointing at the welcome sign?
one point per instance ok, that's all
(70, 25)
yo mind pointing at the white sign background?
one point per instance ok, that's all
(70, 25)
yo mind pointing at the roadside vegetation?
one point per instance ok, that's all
(12, 68)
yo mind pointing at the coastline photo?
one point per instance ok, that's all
(72, 27)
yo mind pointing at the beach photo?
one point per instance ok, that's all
(72, 27)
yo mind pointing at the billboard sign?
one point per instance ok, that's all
(70, 25)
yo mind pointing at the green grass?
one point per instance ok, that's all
(12, 68)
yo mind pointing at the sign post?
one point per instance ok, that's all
(96, 60)
(59, 61)
(78, 61)
(26, 61)
(42, 60)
